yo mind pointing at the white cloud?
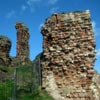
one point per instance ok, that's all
(40, 26)
(96, 29)
(32, 4)
(93, 24)
(10, 14)
(53, 10)
(23, 7)
(52, 1)
(98, 52)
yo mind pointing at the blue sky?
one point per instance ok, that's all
(34, 12)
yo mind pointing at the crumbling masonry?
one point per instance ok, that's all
(22, 46)
(69, 56)
(5, 46)
(22, 42)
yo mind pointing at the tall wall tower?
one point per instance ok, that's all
(69, 55)
(22, 42)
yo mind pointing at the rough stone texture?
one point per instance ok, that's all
(22, 42)
(69, 54)
(5, 46)
(95, 86)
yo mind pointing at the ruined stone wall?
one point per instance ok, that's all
(69, 55)
(95, 86)
(5, 46)
(22, 42)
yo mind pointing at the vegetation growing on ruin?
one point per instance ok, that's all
(7, 85)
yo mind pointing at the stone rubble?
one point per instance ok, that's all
(69, 52)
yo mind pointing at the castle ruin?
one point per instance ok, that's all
(22, 42)
(22, 55)
(5, 46)
(69, 56)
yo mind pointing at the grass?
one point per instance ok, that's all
(41, 95)
(6, 92)
(24, 86)
(6, 89)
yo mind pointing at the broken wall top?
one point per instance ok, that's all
(72, 20)
(4, 40)
(21, 26)
(5, 43)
